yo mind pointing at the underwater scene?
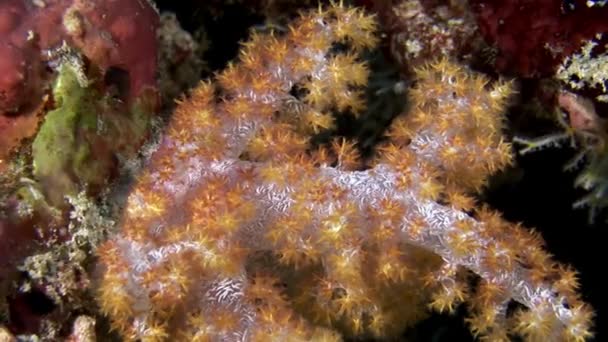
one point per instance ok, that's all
(299, 170)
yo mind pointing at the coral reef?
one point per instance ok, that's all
(77, 148)
(76, 100)
(580, 110)
(238, 230)
(110, 34)
(339, 175)
(533, 37)
(420, 30)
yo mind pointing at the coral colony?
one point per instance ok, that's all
(238, 230)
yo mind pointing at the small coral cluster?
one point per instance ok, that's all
(237, 229)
